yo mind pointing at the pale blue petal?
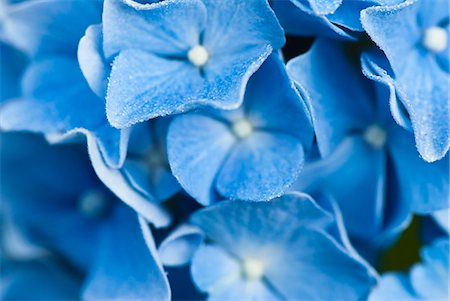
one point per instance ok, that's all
(393, 285)
(335, 111)
(213, 269)
(425, 186)
(261, 167)
(355, 175)
(297, 21)
(179, 247)
(197, 146)
(50, 27)
(168, 28)
(63, 96)
(277, 109)
(376, 67)
(143, 86)
(235, 26)
(125, 268)
(289, 246)
(418, 72)
(115, 180)
(92, 62)
(430, 279)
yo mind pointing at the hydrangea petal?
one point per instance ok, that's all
(221, 268)
(261, 167)
(424, 82)
(334, 110)
(393, 284)
(50, 27)
(252, 19)
(179, 247)
(129, 259)
(197, 146)
(297, 21)
(277, 235)
(130, 25)
(424, 196)
(265, 104)
(115, 180)
(375, 67)
(354, 166)
(92, 61)
(159, 87)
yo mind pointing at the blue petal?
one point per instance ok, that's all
(115, 180)
(45, 184)
(423, 185)
(179, 247)
(354, 166)
(393, 285)
(11, 69)
(126, 252)
(92, 62)
(335, 110)
(168, 28)
(376, 67)
(43, 279)
(217, 273)
(113, 144)
(197, 146)
(146, 167)
(50, 27)
(213, 269)
(56, 93)
(144, 86)
(398, 32)
(284, 237)
(320, 7)
(430, 279)
(229, 21)
(296, 20)
(277, 109)
(261, 167)
(442, 218)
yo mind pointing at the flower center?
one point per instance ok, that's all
(252, 268)
(375, 135)
(198, 56)
(435, 39)
(154, 158)
(242, 128)
(93, 203)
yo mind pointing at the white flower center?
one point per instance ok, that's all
(252, 268)
(93, 203)
(375, 136)
(198, 56)
(435, 39)
(242, 128)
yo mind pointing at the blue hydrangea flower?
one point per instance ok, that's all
(369, 163)
(276, 250)
(428, 280)
(45, 278)
(172, 56)
(144, 180)
(331, 18)
(252, 153)
(59, 203)
(55, 97)
(414, 36)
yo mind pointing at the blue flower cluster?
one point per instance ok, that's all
(225, 149)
